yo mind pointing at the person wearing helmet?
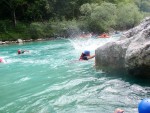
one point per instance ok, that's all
(143, 107)
(86, 55)
(22, 51)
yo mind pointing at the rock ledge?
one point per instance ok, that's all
(131, 53)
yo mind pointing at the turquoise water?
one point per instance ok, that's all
(50, 79)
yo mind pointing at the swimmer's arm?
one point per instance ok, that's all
(26, 51)
(90, 57)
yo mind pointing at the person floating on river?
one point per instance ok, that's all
(22, 51)
(86, 55)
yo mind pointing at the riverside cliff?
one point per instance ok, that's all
(131, 53)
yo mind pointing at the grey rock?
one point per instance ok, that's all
(19, 40)
(7, 42)
(131, 53)
(3, 42)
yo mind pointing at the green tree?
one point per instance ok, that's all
(144, 5)
(87, 9)
(128, 15)
(39, 10)
(103, 17)
(12, 5)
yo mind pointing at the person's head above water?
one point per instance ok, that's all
(144, 106)
(87, 53)
(19, 51)
(1, 60)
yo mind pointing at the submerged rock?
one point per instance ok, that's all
(131, 53)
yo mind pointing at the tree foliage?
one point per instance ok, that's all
(105, 15)
(128, 16)
(47, 18)
(100, 17)
(12, 6)
(144, 5)
(41, 10)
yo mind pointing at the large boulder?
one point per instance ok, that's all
(131, 53)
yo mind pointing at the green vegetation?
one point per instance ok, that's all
(127, 16)
(34, 19)
(100, 17)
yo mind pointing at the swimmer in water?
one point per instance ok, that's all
(86, 55)
(22, 51)
(2, 60)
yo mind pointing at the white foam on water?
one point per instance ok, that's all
(22, 80)
(28, 60)
(91, 44)
(6, 106)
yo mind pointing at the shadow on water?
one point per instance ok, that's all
(123, 75)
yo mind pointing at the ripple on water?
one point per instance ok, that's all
(22, 80)
(50, 79)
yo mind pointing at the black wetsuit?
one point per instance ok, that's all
(21, 52)
(84, 57)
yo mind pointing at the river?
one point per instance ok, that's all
(50, 79)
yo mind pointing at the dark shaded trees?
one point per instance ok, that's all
(11, 6)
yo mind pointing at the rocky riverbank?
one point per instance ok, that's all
(24, 41)
(131, 53)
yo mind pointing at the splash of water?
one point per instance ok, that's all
(90, 43)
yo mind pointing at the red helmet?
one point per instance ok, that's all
(19, 51)
(1, 60)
